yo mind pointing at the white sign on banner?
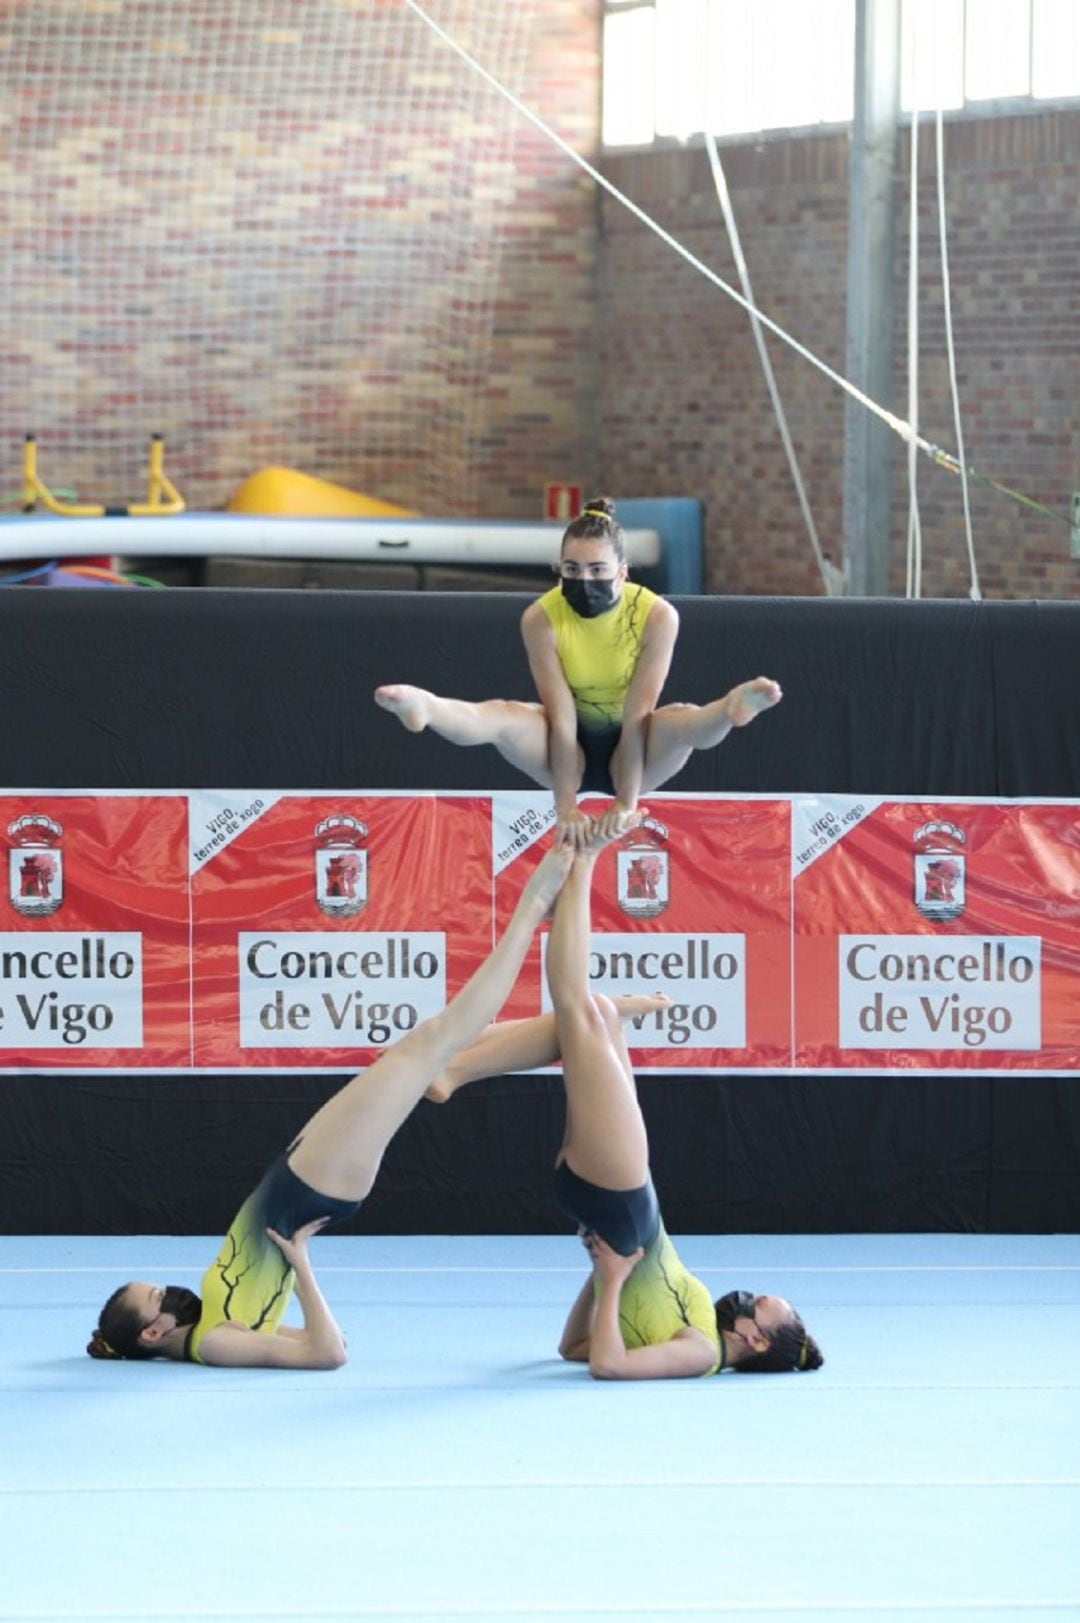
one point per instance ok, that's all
(71, 989)
(959, 991)
(304, 989)
(704, 976)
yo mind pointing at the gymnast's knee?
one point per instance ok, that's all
(609, 1014)
(583, 1017)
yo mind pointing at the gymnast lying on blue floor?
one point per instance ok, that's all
(322, 1178)
(640, 1315)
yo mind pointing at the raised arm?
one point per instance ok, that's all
(554, 693)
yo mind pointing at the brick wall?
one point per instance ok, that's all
(541, 398)
(297, 234)
(684, 406)
(312, 236)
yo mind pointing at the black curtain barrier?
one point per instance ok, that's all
(200, 689)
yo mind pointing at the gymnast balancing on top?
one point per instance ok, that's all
(640, 1314)
(599, 648)
(322, 1177)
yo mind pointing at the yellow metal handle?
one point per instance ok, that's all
(162, 496)
(34, 491)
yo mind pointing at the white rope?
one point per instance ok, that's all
(832, 578)
(906, 431)
(897, 424)
(974, 591)
(914, 530)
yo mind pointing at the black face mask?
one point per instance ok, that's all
(735, 1305)
(589, 597)
(183, 1304)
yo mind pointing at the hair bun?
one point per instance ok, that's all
(810, 1354)
(600, 504)
(98, 1347)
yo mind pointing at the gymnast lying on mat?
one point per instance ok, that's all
(599, 649)
(641, 1315)
(322, 1177)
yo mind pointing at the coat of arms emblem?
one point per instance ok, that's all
(939, 870)
(35, 865)
(341, 865)
(643, 883)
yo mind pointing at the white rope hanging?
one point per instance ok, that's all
(907, 431)
(914, 529)
(897, 424)
(832, 577)
(973, 590)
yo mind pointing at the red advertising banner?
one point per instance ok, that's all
(326, 926)
(94, 932)
(220, 931)
(695, 904)
(936, 935)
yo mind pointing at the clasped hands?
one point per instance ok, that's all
(579, 831)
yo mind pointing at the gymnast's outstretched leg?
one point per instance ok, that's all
(518, 730)
(525, 1045)
(339, 1151)
(604, 1141)
(675, 731)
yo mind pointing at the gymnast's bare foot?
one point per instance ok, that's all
(408, 704)
(632, 1005)
(749, 699)
(612, 825)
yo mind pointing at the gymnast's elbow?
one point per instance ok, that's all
(328, 1358)
(601, 1371)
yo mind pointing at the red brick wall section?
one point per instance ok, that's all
(310, 235)
(684, 406)
(297, 234)
(546, 376)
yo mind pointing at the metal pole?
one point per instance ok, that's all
(871, 210)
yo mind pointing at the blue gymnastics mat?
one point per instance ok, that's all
(455, 1468)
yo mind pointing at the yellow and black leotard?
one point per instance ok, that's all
(660, 1296)
(598, 658)
(249, 1282)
